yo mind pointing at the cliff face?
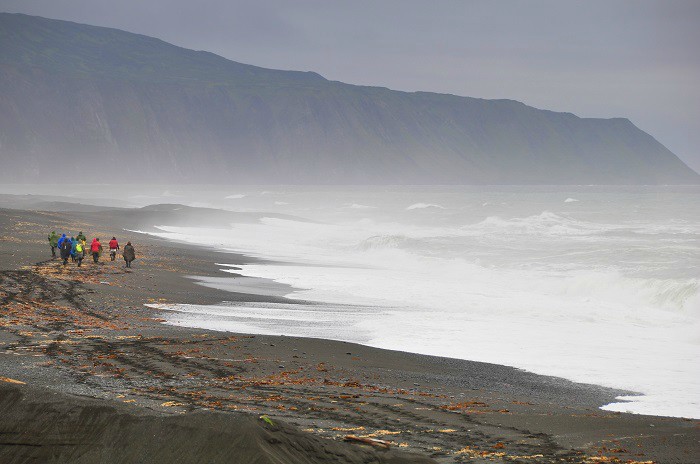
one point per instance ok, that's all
(74, 96)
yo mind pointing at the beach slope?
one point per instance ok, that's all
(90, 374)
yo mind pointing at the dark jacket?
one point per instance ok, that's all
(65, 248)
(129, 253)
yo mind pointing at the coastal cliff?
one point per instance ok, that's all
(75, 95)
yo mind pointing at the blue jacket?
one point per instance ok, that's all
(60, 240)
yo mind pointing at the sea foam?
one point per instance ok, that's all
(424, 206)
(606, 295)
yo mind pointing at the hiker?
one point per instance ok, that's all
(83, 242)
(96, 249)
(65, 249)
(79, 251)
(53, 241)
(73, 242)
(129, 254)
(113, 247)
(60, 240)
(82, 238)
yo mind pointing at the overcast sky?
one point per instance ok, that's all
(638, 59)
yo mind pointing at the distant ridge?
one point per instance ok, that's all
(139, 109)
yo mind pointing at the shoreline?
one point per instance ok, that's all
(597, 392)
(269, 291)
(628, 400)
(314, 384)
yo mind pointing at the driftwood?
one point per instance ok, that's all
(9, 380)
(368, 441)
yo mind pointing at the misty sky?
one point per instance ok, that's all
(631, 58)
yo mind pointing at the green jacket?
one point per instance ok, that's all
(53, 239)
(81, 237)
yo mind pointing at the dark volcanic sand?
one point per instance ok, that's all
(92, 356)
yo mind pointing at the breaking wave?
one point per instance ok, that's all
(552, 224)
(424, 206)
(605, 294)
(383, 241)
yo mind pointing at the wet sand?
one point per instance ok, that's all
(89, 353)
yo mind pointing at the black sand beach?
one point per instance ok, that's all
(89, 374)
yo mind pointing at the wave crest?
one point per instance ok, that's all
(382, 242)
(424, 206)
(544, 223)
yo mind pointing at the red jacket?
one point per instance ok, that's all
(113, 245)
(95, 246)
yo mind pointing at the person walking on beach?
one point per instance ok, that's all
(83, 242)
(65, 249)
(113, 247)
(60, 240)
(129, 254)
(73, 242)
(53, 241)
(96, 249)
(79, 252)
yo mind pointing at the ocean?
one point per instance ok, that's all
(593, 284)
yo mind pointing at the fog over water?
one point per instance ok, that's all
(593, 284)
